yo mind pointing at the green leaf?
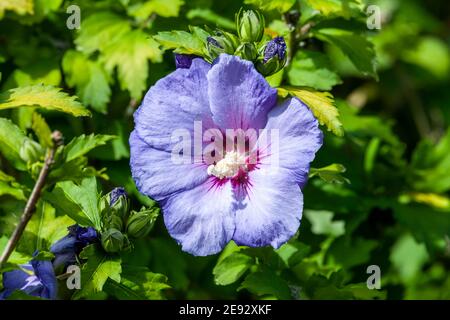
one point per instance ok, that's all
(425, 224)
(130, 55)
(96, 270)
(231, 268)
(357, 48)
(85, 195)
(13, 190)
(167, 258)
(333, 8)
(266, 282)
(322, 223)
(16, 258)
(42, 130)
(81, 145)
(211, 17)
(11, 139)
(312, 69)
(42, 8)
(91, 84)
(138, 283)
(66, 205)
(351, 251)
(20, 7)
(45, 72)
(182, 41)
(408, 257)
(330, 173)
(321, 105)
(268, 5)
(367, 126)
(428, 47)
(47, 97)
(292, 252)
(163, 8)
(99, 30)
(119, 147)
(44, 228)
(74, 170)
(430, 165)
(9, 186)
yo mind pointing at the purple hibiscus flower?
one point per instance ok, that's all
(67, 248)
(36, 279)
(249, 194)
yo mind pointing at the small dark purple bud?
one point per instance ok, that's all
(87, 235)
(116, 194)
(275, 47)
(184, 61)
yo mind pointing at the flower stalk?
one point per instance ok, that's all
(33, 199)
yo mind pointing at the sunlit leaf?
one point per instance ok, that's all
(92, 84)
(280, 5)
(330, 173)
(231, 268)
(322, 223)
(11, 139)
(46, 97)
(320, 103)
(42, 130)
(163, 8)
(312, 69)
(131, 55)
(21, 7)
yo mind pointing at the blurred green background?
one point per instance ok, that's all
(393, 213)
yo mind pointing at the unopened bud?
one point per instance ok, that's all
(250, 25)
(141, 223)
(118, 202)
(113, 221)
(274, 57)
(221, 42)
(247, 51)
(112, 240)
(31, 151)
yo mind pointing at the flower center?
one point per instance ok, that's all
(229, 166)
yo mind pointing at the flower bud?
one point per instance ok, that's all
(113, 221)
(221, 42)
(141, 223)
(250, 25)
(103, 205)
(112, 240)
(274, 57)
(247, 51)
(31, 151)
(118, 202)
